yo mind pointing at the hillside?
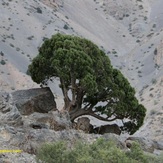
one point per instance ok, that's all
(129, 31)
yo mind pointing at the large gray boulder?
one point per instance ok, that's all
(113, 128)
(34, 100)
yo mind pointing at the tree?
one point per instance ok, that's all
(90, 85)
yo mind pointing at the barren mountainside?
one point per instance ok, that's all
(130, 32)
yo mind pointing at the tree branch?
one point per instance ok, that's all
(102, 118)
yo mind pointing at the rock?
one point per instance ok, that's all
(32, 139)
(116, 139)
(145, 144)
(11, 117)
(108, 129)
(5, 135)
(83, 123)
(4, 101)
(54, 120)
(158, 145)
(34, 100)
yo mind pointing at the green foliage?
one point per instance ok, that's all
(137, 153)
(52, 152)
(85, 71)
(101, 151)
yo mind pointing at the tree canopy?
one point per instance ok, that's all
(89, 83)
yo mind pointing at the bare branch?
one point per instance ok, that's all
(102, 118)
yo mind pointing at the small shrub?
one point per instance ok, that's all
(51, 153)
(154, 81)
(1, 53)
(140, 7)
(154, 26)
(155, 102)
(153, 112)
(3, 62)
(17, 49)
(39, 10)
(155, 51)
(66, 17)
(11, 45)
(30, 37)
(114, 52)
(66, 26)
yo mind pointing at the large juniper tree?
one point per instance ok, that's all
(90, 85)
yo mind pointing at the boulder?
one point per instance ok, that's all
(34, 100)
(118, 140)
(113, 128)
(11, 117)
(83, 123)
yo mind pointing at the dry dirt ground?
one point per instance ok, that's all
(128, 31)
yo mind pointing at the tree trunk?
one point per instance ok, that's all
(77, 112)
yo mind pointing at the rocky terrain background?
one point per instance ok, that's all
(129, 31)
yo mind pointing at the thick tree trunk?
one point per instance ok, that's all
(77, 112)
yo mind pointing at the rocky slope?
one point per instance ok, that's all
(129, 31)
(28, 130)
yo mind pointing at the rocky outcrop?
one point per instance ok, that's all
(34, 100)
(29, 132)
(158, 145)
(28, 129)
(114, 128)
(53, 120)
